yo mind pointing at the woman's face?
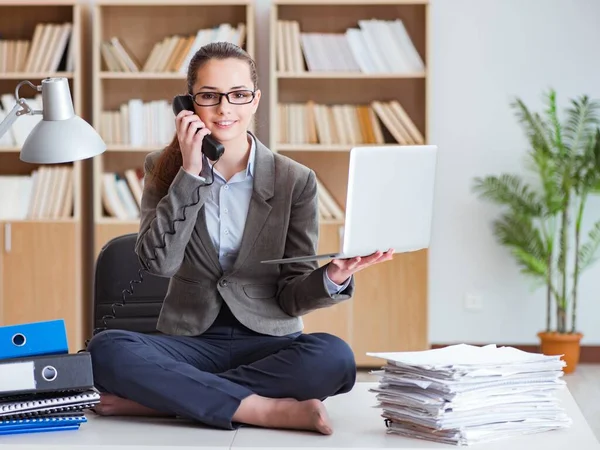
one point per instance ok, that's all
(226, 121)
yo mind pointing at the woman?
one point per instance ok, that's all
(230, 348)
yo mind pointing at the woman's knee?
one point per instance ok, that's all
(107, 342)
(106, 350)
(337, 358)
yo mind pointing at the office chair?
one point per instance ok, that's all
(118, 269)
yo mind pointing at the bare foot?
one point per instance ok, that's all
(284, 413)
(113, 405)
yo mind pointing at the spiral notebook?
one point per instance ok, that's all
(41, 424)
(40, 405)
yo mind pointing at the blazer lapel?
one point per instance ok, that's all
(209, 248)
(259, 209)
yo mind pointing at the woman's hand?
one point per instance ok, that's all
(339, 270)
(190, 142)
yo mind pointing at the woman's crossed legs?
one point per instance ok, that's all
(228, 376)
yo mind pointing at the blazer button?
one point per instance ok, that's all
(223, 283)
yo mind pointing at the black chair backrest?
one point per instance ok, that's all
(117, 270)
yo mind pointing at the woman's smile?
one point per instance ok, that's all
(225, 124)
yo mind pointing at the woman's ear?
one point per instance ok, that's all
(256, 101)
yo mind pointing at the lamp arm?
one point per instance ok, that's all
(20, 100)
(19, 109)
(10, 118)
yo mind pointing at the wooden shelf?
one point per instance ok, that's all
(347, 75)
(46, 3)
(390, 301)
(33, 76)
(139, 3)
(351, 2)
(325, 222)
(42, 260)
(115, 221)
(128, 148)
(142, 76)
(66, 220)
(320, 147)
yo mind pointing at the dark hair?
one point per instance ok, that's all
(170, 160)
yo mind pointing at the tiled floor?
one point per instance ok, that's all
(584, 385)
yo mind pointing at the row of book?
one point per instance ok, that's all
(329, 208)
(122, 196)
(172, 54)
(47, 193)
(139, 124)
(21, 128)
(313, 123)
(44, 387)
(376, 46)
(46, 52)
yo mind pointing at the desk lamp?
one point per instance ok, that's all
(60, 136)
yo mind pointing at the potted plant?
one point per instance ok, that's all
(541, 224)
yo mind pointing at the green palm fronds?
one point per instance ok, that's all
(588, 253)
(536, 222)
(536, 129)
(555, 125)
(581, 123)
(510, 190)
(518, 233)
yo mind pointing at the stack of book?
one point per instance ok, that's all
(172, 54)
(465, 394)
(46, 193)
(370, 46)
(49, 50)
(43, 387)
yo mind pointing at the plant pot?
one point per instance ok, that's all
(566, 344)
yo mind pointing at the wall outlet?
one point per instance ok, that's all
(473, 302)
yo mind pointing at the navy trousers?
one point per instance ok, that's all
(206, 377)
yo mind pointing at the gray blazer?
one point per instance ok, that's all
(282, 222)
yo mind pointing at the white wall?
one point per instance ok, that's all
(484, 54)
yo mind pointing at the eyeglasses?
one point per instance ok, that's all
(214, 98)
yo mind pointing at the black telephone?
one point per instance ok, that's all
(212, 148)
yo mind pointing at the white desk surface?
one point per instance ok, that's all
(357, 425)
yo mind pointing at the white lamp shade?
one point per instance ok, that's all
(58, 141)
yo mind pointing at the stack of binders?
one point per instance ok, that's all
(43, 387)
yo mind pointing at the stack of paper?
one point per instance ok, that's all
(464, 394)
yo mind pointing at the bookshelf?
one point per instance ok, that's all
(135, 76)
(331, 89)
(41, 209)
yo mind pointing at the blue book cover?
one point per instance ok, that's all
(41, 424)
(33, 339)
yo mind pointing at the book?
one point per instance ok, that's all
(33, 339)
(52, 404)
(46, 373)
(41, 424)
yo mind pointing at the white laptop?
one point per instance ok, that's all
(389, 201)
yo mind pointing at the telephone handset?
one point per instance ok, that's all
(212, 148)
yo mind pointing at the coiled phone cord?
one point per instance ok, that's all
(129, 292)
